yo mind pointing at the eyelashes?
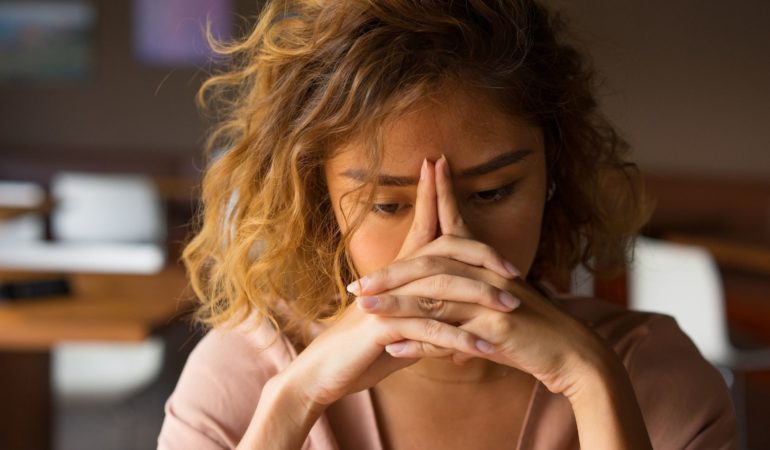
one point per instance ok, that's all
(482, 198)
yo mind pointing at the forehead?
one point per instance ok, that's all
(466, 126)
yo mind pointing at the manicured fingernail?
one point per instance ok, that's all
(446, 165)
(423, 169)
(396, 347)
(484, 346)
(358, 286)
(508, 300)
(510, 268)
(368, 302)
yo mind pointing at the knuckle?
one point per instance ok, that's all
(375, 322)
(423, 232)
(419, 230)
(432, 307)
(498, 324)
(465, 340)
(458, 221)
(432, 329)
(489, 293)
(490, 251)
(427, 263)
(377, 325)
(387, 303)
(382, 275)
(442, 283)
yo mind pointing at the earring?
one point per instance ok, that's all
(551, 190)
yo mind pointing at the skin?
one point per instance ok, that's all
(510, 225)
(437, 275)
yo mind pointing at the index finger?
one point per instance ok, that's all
(425, 221)
(450, 219)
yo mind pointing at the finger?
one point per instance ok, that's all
(436, 277)
(418, 349)
(425, 221)
(469, 251)
(435, 332)
(454, 288)
(449, 217)
(403, 271)
(406, 306)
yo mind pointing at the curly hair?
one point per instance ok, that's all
(314, 74)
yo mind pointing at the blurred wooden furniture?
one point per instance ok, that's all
(100, 307)
(730, 216)
(729, 253)
(9, 212)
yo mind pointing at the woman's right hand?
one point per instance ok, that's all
(350, 355)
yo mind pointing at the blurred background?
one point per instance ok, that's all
(101, 153)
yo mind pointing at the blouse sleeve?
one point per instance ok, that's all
(684, 399)
(217, 392)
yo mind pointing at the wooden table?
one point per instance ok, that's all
(10, 212)
(101, 307)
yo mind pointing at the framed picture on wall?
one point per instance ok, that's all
(171, 33)
(46, 40)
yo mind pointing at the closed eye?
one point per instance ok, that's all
(389, 209)
(493, 195)
(481, 198)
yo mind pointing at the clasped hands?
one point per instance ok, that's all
(461, 282)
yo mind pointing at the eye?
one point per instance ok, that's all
(482, 197)
(493, 195)
(388, 209)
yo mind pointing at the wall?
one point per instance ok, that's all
(687, 81)
(124, 107)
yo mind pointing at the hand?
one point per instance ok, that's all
(457, 280)
(349, 356)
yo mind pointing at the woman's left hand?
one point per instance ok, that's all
(443, 280)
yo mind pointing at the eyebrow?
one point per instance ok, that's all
(498, 162)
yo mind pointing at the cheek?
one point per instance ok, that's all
(514, 234)
(374, 246)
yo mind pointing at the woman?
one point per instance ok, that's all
(402, 179)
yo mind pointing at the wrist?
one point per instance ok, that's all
(604, 402)
(291, 388)
(283, 417)
(585, 363)
(596, 378)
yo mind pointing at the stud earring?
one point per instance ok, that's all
(551, 190)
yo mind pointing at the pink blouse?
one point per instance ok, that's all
(684, 400)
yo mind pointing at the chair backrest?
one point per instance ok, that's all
(25, 227)
(682, 281)
(106, 208)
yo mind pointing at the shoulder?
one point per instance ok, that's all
(684, 399)
(218, 390)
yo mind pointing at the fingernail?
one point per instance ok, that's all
(358, 286)
(510, 268)
(396, 347)
(484, 346)
(368, 302)
(446, 165)
(508, 300)
(423, 169)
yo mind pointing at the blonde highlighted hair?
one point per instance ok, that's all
(314, 74)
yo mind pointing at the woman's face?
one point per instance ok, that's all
(498, 171)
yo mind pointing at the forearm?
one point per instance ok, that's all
(283, 417)
(606, 408)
